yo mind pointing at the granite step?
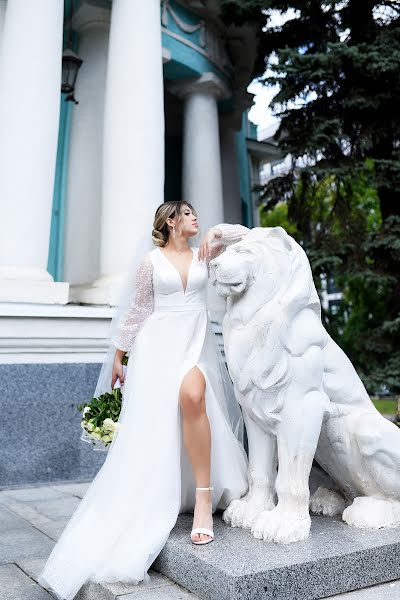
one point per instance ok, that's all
(335, 559)
(159, 588)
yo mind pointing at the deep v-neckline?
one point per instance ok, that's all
(176, 270)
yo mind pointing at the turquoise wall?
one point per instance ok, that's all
(56, 245)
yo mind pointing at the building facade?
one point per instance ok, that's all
(162, 115)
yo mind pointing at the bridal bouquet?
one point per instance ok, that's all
(100, 418)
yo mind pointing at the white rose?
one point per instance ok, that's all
(90, 426)
(95, 435)
(86, 410)
(109, 424)
(106, 438)
(97, 429)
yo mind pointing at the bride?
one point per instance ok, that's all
(176, 389)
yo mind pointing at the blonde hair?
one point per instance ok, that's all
(167, 210)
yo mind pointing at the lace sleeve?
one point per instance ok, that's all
(140, 307)
(230, 235)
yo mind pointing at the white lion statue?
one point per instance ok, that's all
(301, 398)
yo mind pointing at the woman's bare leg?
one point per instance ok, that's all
(197, 439)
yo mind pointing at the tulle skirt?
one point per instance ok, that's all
(128, 511)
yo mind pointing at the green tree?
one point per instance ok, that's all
(337, 65)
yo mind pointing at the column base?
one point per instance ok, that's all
(38, 292)
(107, 295)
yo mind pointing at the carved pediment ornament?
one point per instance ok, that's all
(185, 27)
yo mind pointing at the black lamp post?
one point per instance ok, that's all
(71, 64)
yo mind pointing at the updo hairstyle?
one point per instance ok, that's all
(166, 210)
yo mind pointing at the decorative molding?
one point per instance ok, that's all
(53, 334)
(185, 27)
(183, 40)
(211, 45)
(201, 51)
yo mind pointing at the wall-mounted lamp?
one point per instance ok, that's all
(71, 64)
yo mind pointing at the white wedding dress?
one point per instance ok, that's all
(129, 509)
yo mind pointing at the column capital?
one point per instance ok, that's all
(90, 15)
(208, 83)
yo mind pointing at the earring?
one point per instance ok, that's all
(173, 231)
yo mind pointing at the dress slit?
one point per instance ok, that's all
(188, 484)
(187, 373)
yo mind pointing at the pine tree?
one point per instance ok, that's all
(337, 65)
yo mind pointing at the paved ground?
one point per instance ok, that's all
(31, 520)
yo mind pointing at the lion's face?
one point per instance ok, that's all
(262, 258)
(231, 273)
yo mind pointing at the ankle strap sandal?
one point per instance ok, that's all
(203, 530)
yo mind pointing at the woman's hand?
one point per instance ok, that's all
(117, 371)
(205, 246)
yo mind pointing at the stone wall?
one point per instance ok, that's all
(40, 424)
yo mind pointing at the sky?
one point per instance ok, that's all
(260, 113)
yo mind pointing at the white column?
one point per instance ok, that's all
(201, 166)
(83, 205)
(3, 7)
(30, 81)
(133, 147)
(201, 169)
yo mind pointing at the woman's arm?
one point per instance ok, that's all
(219, 237)
(139, 309)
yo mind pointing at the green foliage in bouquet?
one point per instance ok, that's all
(100, 416)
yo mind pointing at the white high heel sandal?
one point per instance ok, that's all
(202, 529)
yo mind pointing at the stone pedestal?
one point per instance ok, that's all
(335, 559)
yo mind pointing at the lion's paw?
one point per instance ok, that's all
(232, 514)
(280, 527)
(372, 513)
(327, 502)
(241, 513)
(250, 513)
